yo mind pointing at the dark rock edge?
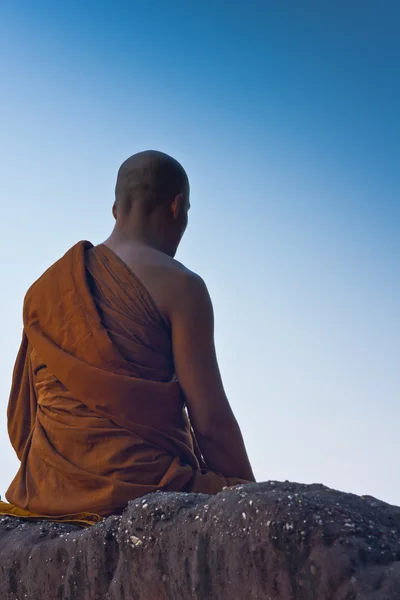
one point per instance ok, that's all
(267, 541)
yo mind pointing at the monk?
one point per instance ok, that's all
(116, 389)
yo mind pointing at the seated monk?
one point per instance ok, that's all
(116, 390)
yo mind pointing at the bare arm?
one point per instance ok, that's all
(214, 424)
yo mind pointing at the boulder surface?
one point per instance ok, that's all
(267, 541)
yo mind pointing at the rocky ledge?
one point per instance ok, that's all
(267, 541)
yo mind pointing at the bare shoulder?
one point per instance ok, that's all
(184, 285)
(169, 268)
(180, 292)
(171, 284)
(184, 278)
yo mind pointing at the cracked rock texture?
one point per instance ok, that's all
(269, 541)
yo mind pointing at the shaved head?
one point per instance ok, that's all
(149, 179)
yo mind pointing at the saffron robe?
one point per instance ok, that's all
(96, 415)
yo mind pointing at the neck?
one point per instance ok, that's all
(138, 235)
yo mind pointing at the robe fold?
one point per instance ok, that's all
(96, 414)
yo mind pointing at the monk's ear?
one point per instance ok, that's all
(177, 205)
(114, 210)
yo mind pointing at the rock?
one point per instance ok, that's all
(268, 541)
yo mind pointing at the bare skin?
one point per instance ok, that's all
(147, 243)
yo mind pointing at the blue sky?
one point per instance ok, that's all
(286, 118)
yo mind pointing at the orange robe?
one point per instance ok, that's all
(96, 414)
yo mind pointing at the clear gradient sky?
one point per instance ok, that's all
(286, 116)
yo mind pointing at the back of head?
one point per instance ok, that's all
(148, 180)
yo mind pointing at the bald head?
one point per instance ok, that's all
(147, 180)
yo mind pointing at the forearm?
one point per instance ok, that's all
(224, 451)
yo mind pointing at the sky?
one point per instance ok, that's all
(285, 115)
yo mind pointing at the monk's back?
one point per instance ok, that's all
(109, 423)
(158, 272)
(127, 298)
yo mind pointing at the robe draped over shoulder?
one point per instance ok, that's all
(96, 415)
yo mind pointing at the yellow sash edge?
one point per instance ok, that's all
(80, 519)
